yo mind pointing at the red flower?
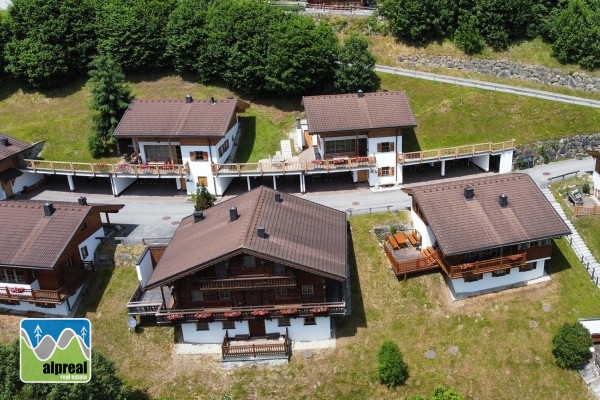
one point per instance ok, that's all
(173, 317)
(232, 314)
(318, 310)
(288, 311)
(203, 315)
(258, 313)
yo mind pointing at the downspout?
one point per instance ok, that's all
(396, 156)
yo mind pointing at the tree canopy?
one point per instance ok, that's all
(571, 345)
(356, 67)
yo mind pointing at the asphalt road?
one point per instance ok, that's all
(153, 210)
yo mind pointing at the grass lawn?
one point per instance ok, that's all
(500, 356)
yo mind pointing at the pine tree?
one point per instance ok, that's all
(110, 98)
(204, 199)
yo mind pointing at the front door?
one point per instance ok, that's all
(256, 327)
(363, 176)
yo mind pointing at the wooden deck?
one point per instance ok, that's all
(147, 302)
(101, 169)
(269, 167)
(256, 348)
(451, 153)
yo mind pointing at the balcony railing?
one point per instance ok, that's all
(166, 315)
(454, 152)
(248, 283)
(494, 264)
(144, 302)
(255, 350)
(330, 165)
(102, 169)
(405, 267)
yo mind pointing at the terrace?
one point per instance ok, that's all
(268, 347)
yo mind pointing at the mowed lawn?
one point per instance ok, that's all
(500, 355)
(447, 115)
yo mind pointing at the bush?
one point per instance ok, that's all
(391, 368)
(586, 188)
(467, 37)
(571, 345)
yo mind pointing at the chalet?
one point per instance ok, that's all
(12, 154)
(596, 175)
(192, 133)
(484, 233)
(47, 253)
(261, 265)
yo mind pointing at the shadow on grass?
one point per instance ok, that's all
(248, 136)
(285, 104)
(558, 262)
(10, 86)
(348, 326)
(410, 142)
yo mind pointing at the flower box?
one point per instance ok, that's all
(122, 166)
(288, 311)
(232, 314)
(319, 310)
(204, 315)
(101, 167)
(514, 257)
(362, 159)
(16, 290)
(144, 166)
(260, 313)
(174, 317)
(317, 162)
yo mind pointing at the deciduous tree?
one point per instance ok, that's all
(571, 345)
(186, 34)
(356, 69)
(391, 368)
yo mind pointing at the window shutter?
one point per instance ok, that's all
(379, 147)
(378, 171)
(391, 170)
(192, 156)
(391, 146)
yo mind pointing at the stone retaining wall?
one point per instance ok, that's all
(554, 150)
(508, 69)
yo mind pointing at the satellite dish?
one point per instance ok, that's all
(131, 322)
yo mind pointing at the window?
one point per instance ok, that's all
(308, 289)
(385, 147)
(340, 146)
(70, 263)
(197, 295)
(310, 321)
(523, 246)
(279, 270)
(224, 147)
(528, 267)
(12, 275)
(473, 278)
(157, 153)
(202, 181)
(249, 262)
(280, 292)
(545, 242)
(198, 156)
(385, 171)
(224, 295)
(501, 272)
(202, 326)
(84, 252)
(228, 324)
(221, 270)
(283, 322)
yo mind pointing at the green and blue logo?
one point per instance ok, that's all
(56, 350)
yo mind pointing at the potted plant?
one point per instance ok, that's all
(260, 313)
(319, 310)
(174, 317)
(203, 315)
(232, 314)
(288, 311)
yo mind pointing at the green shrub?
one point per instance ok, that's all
(586, 188)
(391, 368)
(571, 345)
(467, 37)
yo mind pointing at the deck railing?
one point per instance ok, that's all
(494, 264)
(102, 169)
(248, 283)
(137, 307)
(586, 210)
(411, 266)
(255, 350)
(283, 167)
(455, 152)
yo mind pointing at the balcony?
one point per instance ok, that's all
(248, 283)
(491, 265)
(166, 315)
(256, 349)
(147, 302)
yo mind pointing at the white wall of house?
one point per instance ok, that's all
(33, 285)
(60, 309)
(144, 267)
(489, 282)
(592, 324)
(27, 179)
(506, 159)
(300, 332)
(214, 334)
(596, 178)
(92, 243)
(427, 236)
(119, 184)
(482, 161)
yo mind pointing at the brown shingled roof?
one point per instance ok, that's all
(300, 233)
(178, 118)
(460, 225)
(30, 239)
(15, 146)
(347, 112)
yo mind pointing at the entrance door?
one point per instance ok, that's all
(7, 188)
(256, 327)
(363, 176)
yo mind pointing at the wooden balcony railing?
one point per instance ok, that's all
(403, 268)
(248, 283)
(331, 165)
(101, 169)
(168, 315)
(256, 350)
(494, 264)
(586, 210)
(454, 152)
(143, 305)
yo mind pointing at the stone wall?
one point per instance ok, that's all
(554, 150)
(508, 69)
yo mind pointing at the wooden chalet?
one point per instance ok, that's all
(12, 154)
(261, 266)
(483, 233)
(47, 253)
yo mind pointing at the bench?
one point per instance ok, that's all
(412, 238)
(393, 242)
(400, 239)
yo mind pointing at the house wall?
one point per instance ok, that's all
(300, 332)
(592, 324)
(482, 161)
(506, 160)
(27, 179)
(62, 309)
(92, 243)
(144, 267)
(215, 334)
(119, 184)
(596, 179)
(489, 282)
(427, 236)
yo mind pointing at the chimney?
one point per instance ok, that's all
(48, 209)
(188, 99)
(5, 141)
(198, 215)
(233, 215)
(360, 93)
(278, 198)
(82, 201)
(503, 200)
(260, 231)
(469, 192)
(212, 100)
